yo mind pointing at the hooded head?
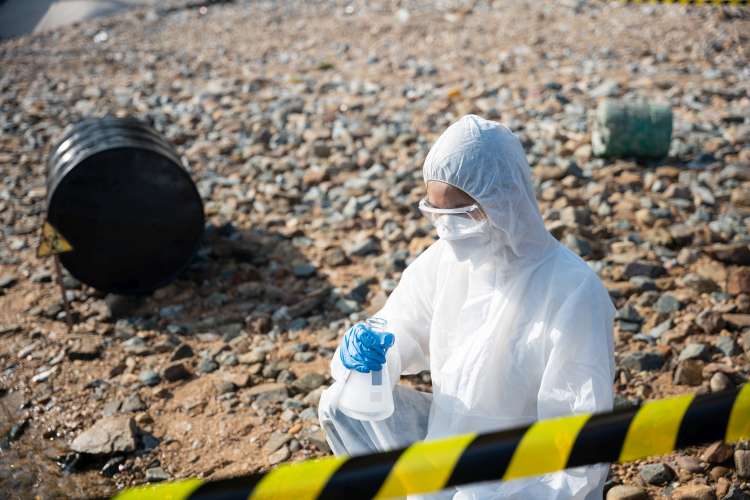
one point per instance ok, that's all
(485, 159)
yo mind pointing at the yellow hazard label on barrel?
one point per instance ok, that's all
(52, 242)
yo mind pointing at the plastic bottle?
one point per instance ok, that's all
(368, 396)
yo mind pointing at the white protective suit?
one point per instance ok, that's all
(513, 326)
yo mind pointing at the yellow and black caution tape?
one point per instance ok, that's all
(52, 242)
(691, 2)
(656, 428)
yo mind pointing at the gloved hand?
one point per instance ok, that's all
(363, 349)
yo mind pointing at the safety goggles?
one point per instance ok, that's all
(469, 212)
(455, 223)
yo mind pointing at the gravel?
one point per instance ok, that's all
(304, 128)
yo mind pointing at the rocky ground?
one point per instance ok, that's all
(305, 127)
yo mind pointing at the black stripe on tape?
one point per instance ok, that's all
(487, 457)
(600, 439)
(226, 489)
(714, 408)
(681, 2)
(361, 476)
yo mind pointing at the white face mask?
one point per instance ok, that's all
(465, 237)
(456, 227)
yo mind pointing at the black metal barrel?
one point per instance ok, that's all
(118, 192)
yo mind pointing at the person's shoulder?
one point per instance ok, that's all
(571, 276)
(576, 291)
(428, 256)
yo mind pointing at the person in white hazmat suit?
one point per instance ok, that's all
(512, 325)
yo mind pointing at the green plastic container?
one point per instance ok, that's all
(632, 129)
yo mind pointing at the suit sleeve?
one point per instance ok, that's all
(408, 311)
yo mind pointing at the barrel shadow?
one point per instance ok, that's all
(255, 281)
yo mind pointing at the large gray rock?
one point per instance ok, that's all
(276, 441)
(155, 474)
(689, 372)
(85, 348)
(313, 398)
(694, 351)
(627, 492)
(362, 247)
(742, 462)
(660, 329)
(109, 435)
(252, 357)
(710, 321)
(176, 371)
(745, 341)
(717, 453)
(268, 392)
(132, 403)
(149, 377)
(7, 281)
(578, 245)
(667, 303)
(182, 351)
(656, 474)
(207, 365)
(628, 313)
(136, 345)
(279, 456)
(699, 283)
(693, 492)
(642, 361)
(318, 439)
(689, 463)
(304, 270)
(641, 268)
(727, 346)
(735, 493)
(309, 382)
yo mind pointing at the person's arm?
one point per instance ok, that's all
(578, 377)
(408, 311)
